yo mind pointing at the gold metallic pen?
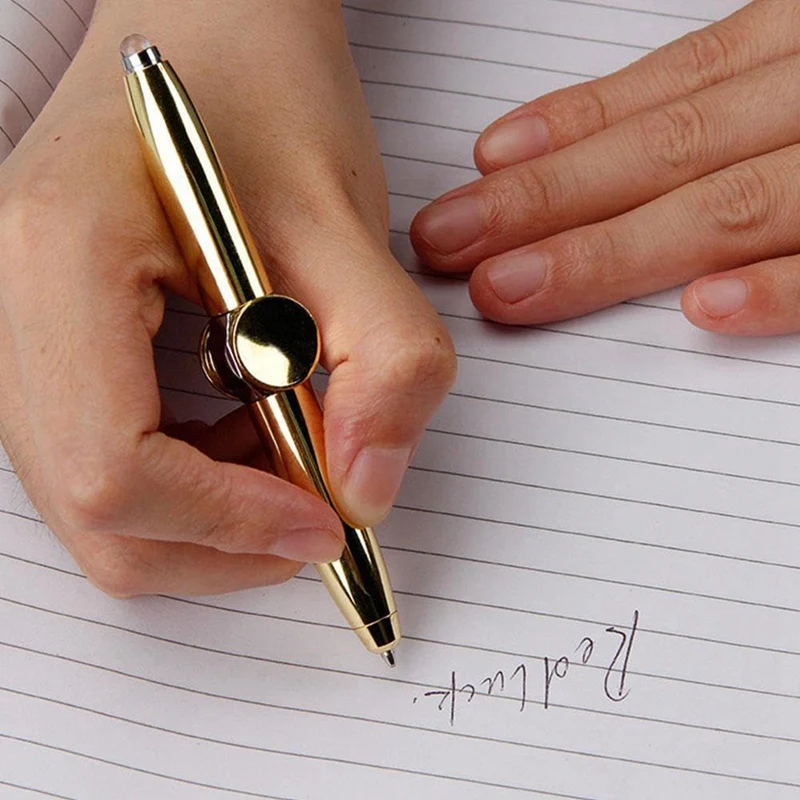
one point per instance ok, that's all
(258, 347)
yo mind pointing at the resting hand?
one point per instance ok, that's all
(682, 168)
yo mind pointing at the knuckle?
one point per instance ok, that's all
(610, 253)
(704, 58)
(571, 253)
(423, 359)
(26, 212)
(595, 256)
(93, 493)
(675, 135)
(117, 569)
(577, 111)
(594, 107)
(736, 200)
(531, 187)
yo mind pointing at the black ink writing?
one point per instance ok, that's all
(617, 675)
(449, 697)
(587, 648)
(557, 670)
(522, 672)
(498, 679)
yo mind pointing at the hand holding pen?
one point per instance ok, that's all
(149, 508)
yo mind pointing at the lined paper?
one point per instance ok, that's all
(596, 553)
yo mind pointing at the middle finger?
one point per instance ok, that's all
(617, 170)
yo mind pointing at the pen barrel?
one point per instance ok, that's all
(258, 347)
(290, 426)
(208, 224)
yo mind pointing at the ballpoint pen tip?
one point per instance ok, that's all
(388, 657)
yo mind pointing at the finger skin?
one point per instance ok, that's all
(231, 438)
(771, 305)
(127, 567)
(740, 215)
(758, 34)
(379, 402)
(123, 566)
(632, 163)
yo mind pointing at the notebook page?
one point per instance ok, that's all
(37, 41)
(595, 554)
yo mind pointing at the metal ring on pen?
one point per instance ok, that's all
(138, 53)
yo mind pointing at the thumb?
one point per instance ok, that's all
(391, 362)
(380, 398)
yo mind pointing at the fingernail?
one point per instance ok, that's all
(722, 297)
(452, 225)
(515, 141)
(308, 546)
(373, 481)
(517, 276)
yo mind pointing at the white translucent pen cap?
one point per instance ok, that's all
(138, 52)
